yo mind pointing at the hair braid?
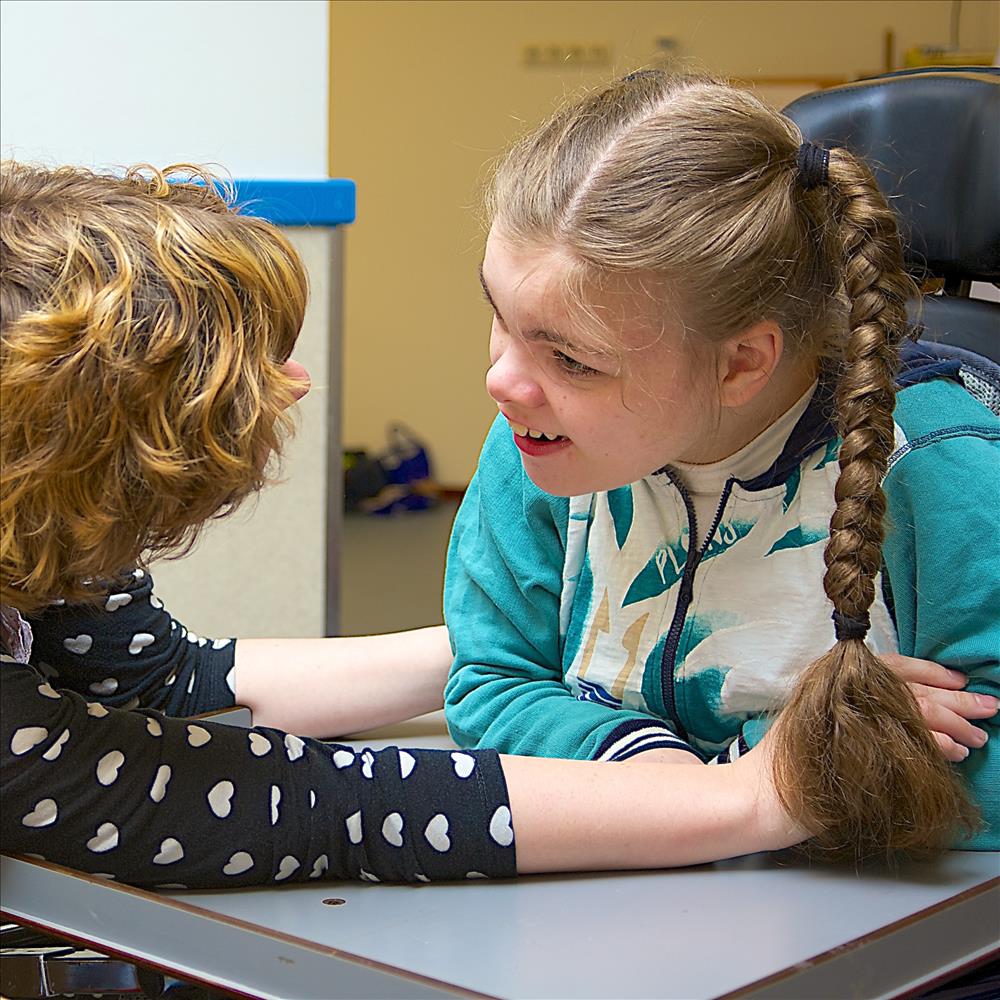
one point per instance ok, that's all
(877, 288)
(854, 760)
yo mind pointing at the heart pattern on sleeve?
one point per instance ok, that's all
(108, 767)
(220, 798)
(140, 641)
(26, 739)
(392, 829)
(45, 813)
(239, 863)
(436, 833)
(55, 750)
(198, 736)
(500, 829)
(106, 839)
(384, 814)
(288, 866)
(79, 644)
(169, 853)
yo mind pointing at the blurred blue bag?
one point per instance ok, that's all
(398, 479)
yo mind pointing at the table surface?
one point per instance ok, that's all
(760, 926)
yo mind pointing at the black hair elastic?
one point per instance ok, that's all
(813, 162)
(846, 627)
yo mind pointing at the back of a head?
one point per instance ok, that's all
(144, 325)
(699, 186)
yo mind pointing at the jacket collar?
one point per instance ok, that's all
(919, 361)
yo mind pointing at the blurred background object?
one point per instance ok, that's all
(398, 480)
(973, 48)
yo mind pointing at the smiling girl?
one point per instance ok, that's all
(707, 475)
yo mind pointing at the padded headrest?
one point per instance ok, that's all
(933, 139)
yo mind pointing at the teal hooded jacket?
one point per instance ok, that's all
(583, 627)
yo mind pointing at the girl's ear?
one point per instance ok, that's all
(747, 361)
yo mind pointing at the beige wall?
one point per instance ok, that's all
(423, 94)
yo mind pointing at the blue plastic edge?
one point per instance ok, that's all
(328, 202)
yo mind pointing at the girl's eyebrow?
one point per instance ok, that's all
(486, 292)
(546, 335)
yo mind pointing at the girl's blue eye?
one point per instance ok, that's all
(572, 366)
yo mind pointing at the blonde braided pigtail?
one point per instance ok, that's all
(854, 760)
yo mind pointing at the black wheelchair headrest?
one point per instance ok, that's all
(932, 137)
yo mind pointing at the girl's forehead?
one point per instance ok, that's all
(530, 271)
(543, 284)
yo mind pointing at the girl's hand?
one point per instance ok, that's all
(946, 708)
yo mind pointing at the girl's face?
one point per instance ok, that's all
(587, 419)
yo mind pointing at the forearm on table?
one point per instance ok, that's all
(583, 815)
(337, 686)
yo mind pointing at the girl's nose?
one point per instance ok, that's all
(512, 376)
(301, 377)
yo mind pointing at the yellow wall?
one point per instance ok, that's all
(423, 94)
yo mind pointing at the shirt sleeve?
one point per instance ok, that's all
(126, 651)
(151, 800)
(942, 557)
(503, 585)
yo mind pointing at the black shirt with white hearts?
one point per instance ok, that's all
(95, 776)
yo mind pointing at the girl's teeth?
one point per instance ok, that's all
(523, 431)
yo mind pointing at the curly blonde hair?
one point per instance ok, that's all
(143, 328)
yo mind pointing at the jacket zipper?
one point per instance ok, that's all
(669, 659)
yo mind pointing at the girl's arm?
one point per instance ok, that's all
(157, 801)
(504, 592)
(331, 687)
(126, 651)
(584, 815)
(943, 561)
(946, 708)
(153, 800)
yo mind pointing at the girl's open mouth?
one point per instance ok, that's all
(537, 443)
